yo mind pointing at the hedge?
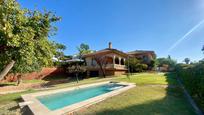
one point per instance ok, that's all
(192, 77)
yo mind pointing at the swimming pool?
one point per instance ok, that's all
(66, 100)
(62, 99)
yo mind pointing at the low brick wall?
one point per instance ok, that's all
(45, 72)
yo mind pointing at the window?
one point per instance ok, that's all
(145, 58)
(116, 60)
(122, 61)
(92, 62)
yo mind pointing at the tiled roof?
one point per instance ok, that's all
(107, 50)
(140, 52)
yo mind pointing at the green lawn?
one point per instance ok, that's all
(143, 101)
(151, 96)
(151, 79)
(24, 81)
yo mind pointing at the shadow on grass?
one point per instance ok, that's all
(55, 81)
(172, 102)
(7, 84)
(61, 77)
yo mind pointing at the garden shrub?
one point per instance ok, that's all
(141, 67)
(192, 77)
(136, 65)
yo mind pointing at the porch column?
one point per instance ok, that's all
(114, 60)
(119, 60)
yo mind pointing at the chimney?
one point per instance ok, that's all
(110, 45)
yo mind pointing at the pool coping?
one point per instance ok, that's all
(39, 109)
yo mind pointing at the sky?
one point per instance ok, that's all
(168, 27)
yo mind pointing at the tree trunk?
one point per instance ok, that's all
(6, 69)
(103, 72)
(19, 80)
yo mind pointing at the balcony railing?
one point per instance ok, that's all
(119, 66)
(109, 66)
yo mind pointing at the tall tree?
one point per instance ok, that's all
(131, 64)
(60, 48)
(24, 44)
(102, 62)
(187, 60)
(76, 67)
(169, 57)
(83, 49)
(202, 49)
(135, 65)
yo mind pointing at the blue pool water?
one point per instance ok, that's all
(62, 99)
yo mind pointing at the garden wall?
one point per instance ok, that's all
(45, 72)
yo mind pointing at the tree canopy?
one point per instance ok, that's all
(60, 48)
(165, 61)
(135, 65)
(187, 60)
(24, 37)
(83, 49)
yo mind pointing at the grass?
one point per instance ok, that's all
(9, 103)
(143, 101)
(149, 97)
(34, 81)
(4, 99)
(24, 81)
(151, 79)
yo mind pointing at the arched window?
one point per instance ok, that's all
(122, 61)
(116, 60)
(109, 60)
